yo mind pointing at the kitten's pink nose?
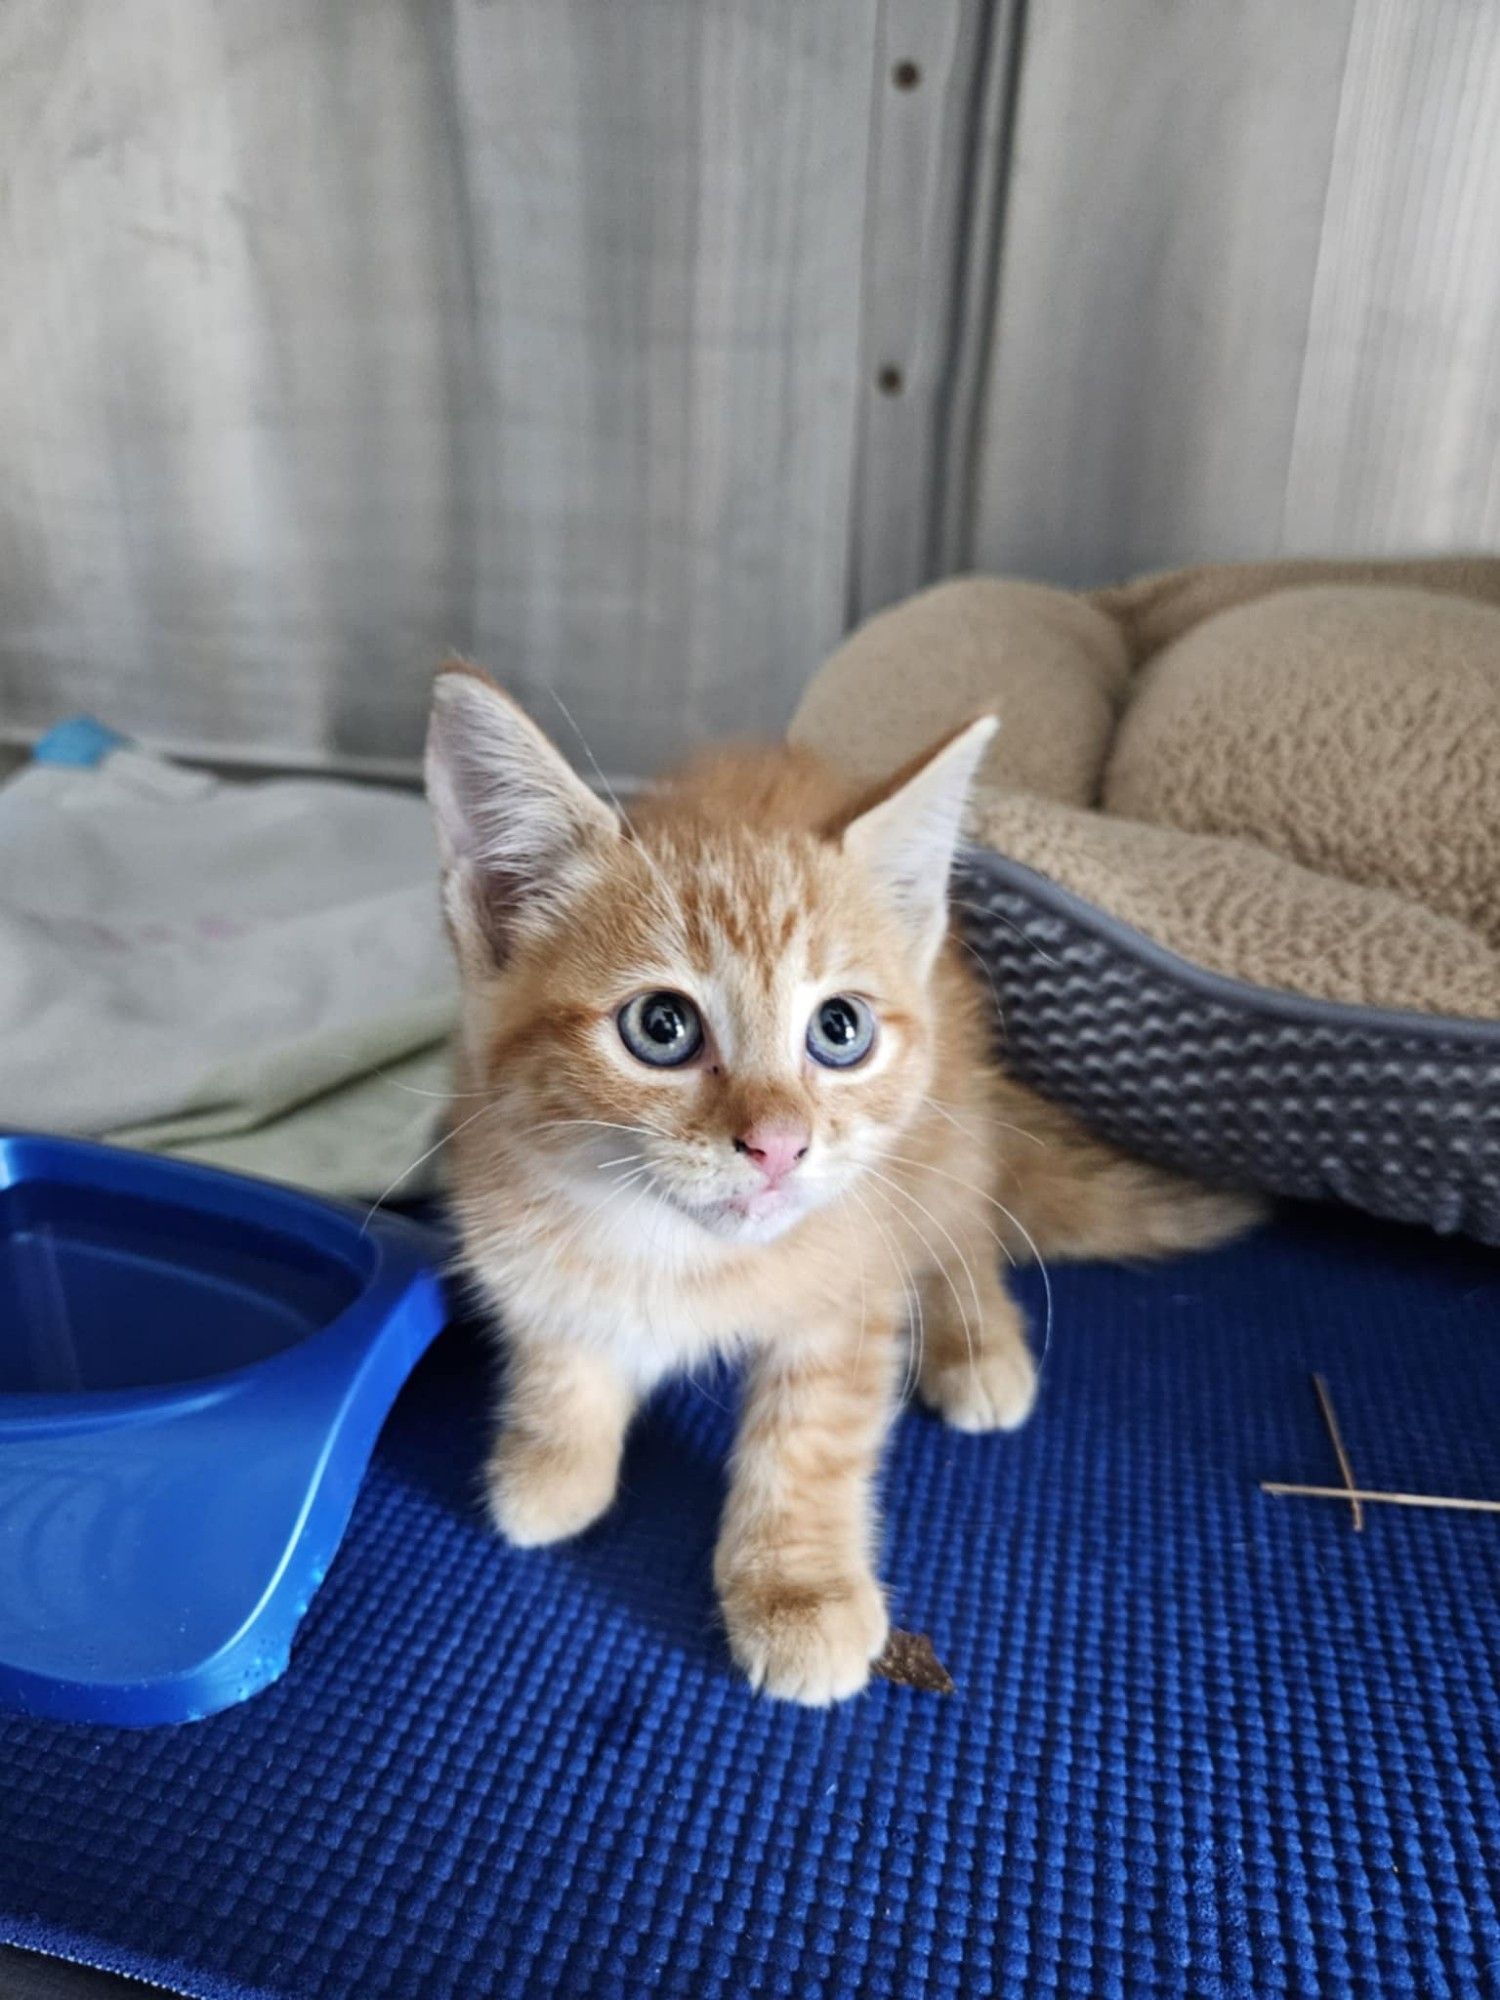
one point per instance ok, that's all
(775, 1149)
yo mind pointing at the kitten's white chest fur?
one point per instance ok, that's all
(634, 1286)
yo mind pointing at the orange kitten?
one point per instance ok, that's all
(724, 1085)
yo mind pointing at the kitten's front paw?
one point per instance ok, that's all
(806, 1643)
(993, 1392)
(544, 1493)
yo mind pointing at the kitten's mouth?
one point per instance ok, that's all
(754, 1215)
(759, 1202)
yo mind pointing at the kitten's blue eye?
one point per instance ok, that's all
(841, 1033)
(662, 1029)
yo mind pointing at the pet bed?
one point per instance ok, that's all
(1204, 1742)
(1237, 867)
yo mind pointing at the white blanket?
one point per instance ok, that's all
(249, 974)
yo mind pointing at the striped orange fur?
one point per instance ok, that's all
(623, 1219)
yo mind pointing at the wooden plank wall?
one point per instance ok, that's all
(637, 346)
(1249, 287)
(337, 335)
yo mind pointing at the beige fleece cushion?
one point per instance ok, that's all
(1354, 731)
(1301, 790)
(944, 656)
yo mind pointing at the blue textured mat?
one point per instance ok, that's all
(1205, 1743)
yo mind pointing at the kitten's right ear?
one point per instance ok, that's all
(514, 821)
(906, 833)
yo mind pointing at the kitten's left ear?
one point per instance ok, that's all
(907, 833)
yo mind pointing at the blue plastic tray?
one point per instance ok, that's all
(193, 1370)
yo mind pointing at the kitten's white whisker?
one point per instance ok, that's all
(994, 916)
(421, 1160)
(593, 1212)
(913, 1294)
(1009, 1255)
(854, 1195)
(859, 1346)
(968, 1269)
(943, 1111)
(675, 905)
(602, 1124)
(642, 1189)
(946, 1111)
(1005, 1249)
(925, 1167)
(989, 977)
(1020, 1132)
(447, 1096)
(1041, 1265)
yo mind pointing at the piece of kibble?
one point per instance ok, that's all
(909, 1661)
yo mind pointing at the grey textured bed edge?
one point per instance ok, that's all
(1395, 1113)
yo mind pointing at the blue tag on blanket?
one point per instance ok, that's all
(80, 741)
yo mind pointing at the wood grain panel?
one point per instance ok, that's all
(335, 336)
(1396, 446)
(554, 330)
(1249, 296)
(940, 129)
(1162, 237)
